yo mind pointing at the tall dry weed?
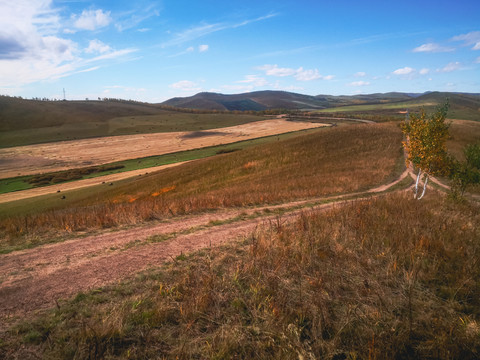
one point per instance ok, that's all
(390, 278)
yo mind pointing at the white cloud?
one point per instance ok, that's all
(96, 46)
(92, 19)
(133, 18)
(471, 38)
(453, 66)
(206, 29)
(404, 71)
(359, 83)
(274, 70)
(278, 86)
(255, 80)
(112, 55)
(424, 71)
(431, 47)
(34, 47)
(477, 60)
(360, 74)
(300, 74)
(185, 85)
(203, 48)
(307, 75)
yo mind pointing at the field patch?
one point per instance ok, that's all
(19, 161)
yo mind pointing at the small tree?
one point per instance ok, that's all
(425, 145)
(466, 173)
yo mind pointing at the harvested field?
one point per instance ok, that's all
(33, 159)
(79, 184)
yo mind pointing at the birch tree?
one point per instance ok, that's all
(425, 145)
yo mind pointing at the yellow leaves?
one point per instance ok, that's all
(426, 141)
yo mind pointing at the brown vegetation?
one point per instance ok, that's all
(391, 278)
(57, 156)
(333, 161)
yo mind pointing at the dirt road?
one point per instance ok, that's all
(33, 159)
(36, 278)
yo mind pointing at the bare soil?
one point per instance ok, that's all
(41, 158)
(38, 278)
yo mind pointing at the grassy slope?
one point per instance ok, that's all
(462, 106)
(24, 122)
(328, 161)
(21, 183)
(380, 279)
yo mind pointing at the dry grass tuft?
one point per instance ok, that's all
(330, 161)
(391, 278)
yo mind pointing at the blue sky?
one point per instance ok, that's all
(154, 50)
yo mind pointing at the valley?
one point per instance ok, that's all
(305, 237)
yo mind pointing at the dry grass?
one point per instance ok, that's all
(462, 132)
(330, 161)
(391, 278)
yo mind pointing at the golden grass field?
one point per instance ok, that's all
(33, 159)
(249, 254)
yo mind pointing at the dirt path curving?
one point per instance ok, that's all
(36, 278)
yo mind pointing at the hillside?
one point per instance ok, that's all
(26, 122)
(259, 100)
(262, 100)
(304, 247)
(463, 105)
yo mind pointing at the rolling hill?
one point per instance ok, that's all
(263, 100)
(24, 122)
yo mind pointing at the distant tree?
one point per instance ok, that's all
(425, 144)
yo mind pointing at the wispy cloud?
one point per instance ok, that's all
(112, 55)
(92, 19)
(190, 50)
(360, 74)
(433, 48)
(96, 46)
(453, 66)
(204, 29)
(186, 85)
(300, 74)
(255, 80)
(404, 71)
(131, 19)
(359, 83)
(274, 70)
(34, 46)
(471, 38)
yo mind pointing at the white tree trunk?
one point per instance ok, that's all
(416, 183)
(424, 187)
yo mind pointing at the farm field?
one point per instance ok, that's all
(160, 263)
(251, 264)
(27, 122)
(33, 159)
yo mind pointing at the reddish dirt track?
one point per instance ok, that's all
(37, 278)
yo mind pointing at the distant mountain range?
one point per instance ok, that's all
(263, 100)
